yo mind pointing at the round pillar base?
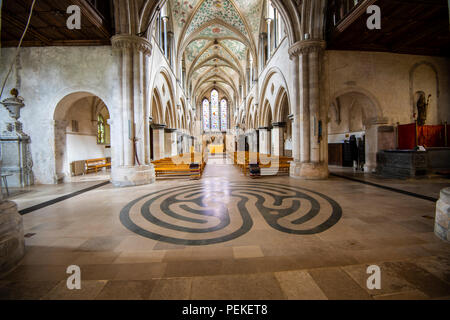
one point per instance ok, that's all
(131, 176)
(442, 221)
(12, 242)
(309, 171)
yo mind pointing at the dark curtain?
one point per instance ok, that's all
(428, 136)
(407, 136)
(431, 136)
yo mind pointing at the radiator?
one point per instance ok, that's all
(78, 168)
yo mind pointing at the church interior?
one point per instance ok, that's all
(224, 150)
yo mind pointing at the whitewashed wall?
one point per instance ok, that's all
(44, 76)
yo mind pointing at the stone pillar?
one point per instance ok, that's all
(278, 139)
(170, 138)
(372, 147)
(296, 120)
(158, 141)
(264, 140)
(442, 221)
(134, 53)
(312, 163)
(165, 21)
(12, 243)
(269, 35)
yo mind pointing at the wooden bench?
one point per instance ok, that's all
(243, 159)
(93, 165)
(191, 165)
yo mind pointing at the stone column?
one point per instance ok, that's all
(269, 35)
(442, 221)
(133, 52)
(372, 148)
(158, 141)
(170, 138)
(264, 140)
(296, 119)
(12, 241)
(165, 21)
(278, 139)
(312, 163)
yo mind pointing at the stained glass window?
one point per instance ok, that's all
(215, 116)
(223, 115)
(100, 129)
(206, 115)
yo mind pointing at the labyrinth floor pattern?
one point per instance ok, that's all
(204, 214)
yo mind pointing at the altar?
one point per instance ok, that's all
(411, 163)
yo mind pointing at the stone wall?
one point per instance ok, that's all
(390, 81)
(44, 76)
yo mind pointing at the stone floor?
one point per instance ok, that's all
(231, 237)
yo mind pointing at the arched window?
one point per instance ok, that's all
(215, 126)
(215, 114)
(100, 130)
(223, 115)
(206, 115)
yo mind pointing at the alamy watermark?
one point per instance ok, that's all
(374, 21)
(74, 21)
(374, 280)
(74, 281)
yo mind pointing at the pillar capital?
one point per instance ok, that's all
(128, 41)
(305, 47)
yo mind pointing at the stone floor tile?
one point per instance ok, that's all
(26, 290)
(126, 290)
(337, 285)
(89, 290)
(298, 285)
(423, 280)
(237, 287)
(172, 289)
(247, 252)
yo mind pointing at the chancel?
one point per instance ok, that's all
(224, 150)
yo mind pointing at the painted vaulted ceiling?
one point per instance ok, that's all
(215, 37)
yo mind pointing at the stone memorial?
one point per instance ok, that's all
(12, 243)
(15, 146)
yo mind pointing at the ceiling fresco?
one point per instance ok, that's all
(238, 48)
(204, 23)
(194, 49)
(216, 31)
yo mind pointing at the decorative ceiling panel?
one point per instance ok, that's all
(182, 9)
(217, 31)
(194, 48)
(237, 47)
(252, 11)
(217, 9)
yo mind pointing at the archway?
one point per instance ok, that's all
(82, 132)
(353, 136)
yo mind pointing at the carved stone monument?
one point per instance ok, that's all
(12, 244)
(442, 221)
(15, 146)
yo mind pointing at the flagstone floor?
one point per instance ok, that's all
(230, 237)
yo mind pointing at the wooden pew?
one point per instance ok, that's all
(93, 165)
(180, 166)
(243, 159)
